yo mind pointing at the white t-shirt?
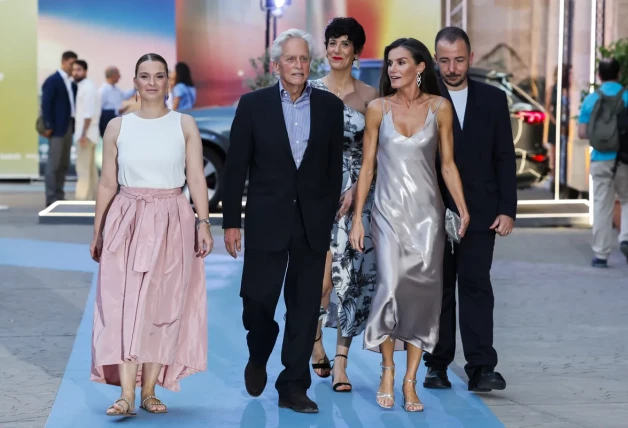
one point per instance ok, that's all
(459, 98)
(87, 107)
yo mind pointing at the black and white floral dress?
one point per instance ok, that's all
(353, 273)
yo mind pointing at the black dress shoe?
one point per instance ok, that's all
(485, 380)
(255, 379)
(436, 378)
(299, 402)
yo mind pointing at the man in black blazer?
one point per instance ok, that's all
(58, 100)
(485, 156)
(289, 139)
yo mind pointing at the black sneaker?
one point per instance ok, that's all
(486, 380)
(623, 247)
(599, 263)
(255, 378)
(436, 378)
(299, 402)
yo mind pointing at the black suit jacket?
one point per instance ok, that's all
(260, 145)
(485, 156)
(55, 104)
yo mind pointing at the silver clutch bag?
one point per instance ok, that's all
(452, 226)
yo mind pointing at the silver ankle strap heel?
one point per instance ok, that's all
(383, 395)
(407, 404)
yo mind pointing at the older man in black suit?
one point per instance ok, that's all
(289, 139)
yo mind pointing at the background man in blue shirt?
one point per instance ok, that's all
(605, 187)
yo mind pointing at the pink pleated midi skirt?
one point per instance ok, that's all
(151, 304)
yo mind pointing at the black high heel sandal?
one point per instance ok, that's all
(335, 386)
(324, 365)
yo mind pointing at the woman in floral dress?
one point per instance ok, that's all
(349, 273)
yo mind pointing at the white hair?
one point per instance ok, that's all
(277, 47)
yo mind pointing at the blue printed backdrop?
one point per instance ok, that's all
(103, 33)
(142, 17)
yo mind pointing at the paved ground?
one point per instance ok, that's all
(561, 326)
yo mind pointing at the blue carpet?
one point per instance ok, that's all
(217, 397)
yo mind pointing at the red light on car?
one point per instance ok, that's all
(538, 158)
(531, 117)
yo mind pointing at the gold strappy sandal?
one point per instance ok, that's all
(128, 412)
(158, 403)
(383, 395)
(407, 404)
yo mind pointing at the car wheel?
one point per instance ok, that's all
(213, 166)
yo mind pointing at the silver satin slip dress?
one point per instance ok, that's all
(408, 233)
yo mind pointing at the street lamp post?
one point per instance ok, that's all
(272, 8)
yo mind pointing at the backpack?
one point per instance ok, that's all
(603, 129)
(622, 152)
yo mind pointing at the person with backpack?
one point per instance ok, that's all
(604, 121)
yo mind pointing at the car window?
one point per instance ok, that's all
(517, 99)
(370, 75)
(511, 95)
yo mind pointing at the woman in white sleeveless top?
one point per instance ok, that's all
(150, 318)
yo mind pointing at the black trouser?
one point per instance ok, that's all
(105, 117)
(471, 264)
(262, 278)
(59, 149)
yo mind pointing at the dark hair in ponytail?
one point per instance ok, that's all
(420, 53)
(151, 57)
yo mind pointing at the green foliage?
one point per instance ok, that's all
(264, 77)
(317, 68)
(619, 51)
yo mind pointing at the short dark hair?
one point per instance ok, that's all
(451, 35)
(82, 63)
(68, 55)
(151, 57)
(608, 69)
(183, 74)
(349, 27)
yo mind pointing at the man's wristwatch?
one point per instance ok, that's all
(199, 221)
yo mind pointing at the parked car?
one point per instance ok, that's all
(528, 119)
(214, 124)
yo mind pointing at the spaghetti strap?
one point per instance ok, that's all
(384, 107)
(439, 103)
(436, 110)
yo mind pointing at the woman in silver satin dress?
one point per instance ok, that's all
(405, 129)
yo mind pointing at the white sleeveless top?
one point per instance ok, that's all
(151, 152)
